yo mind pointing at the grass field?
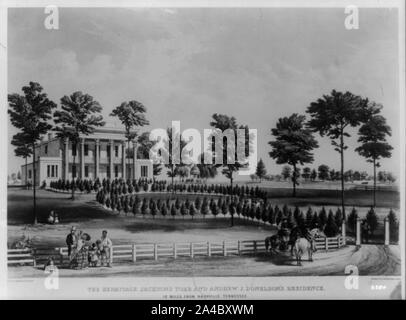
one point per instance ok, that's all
(89, 216)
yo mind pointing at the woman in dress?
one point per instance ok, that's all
(80, 254)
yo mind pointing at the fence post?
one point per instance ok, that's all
(34, 262)
(61, 256)
(344, 232)
(239, 247)
(339, 242)
(191, 250)
(134, 253)
(326, 244)
(155, 251)
(111, 255)
(255, 247)
(208, 249)
(358, 233)
(387, 232)
(174, 251)
(224, 248)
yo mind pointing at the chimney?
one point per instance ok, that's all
(50, 136)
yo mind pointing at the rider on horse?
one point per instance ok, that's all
(311, 239)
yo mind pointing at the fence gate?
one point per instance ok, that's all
(379, 236)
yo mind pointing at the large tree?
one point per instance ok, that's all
(132, 115)
(224, 122)
(331, 116)
(80, 115)
(23, 149)
(306, 173)
(323, 172)
(144, 146)
(293, 145)
(171, 149)
(372, 136)
(30, 113)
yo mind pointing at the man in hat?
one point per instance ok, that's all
(71, 240)
(106, 245)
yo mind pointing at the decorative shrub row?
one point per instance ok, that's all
(263, 211)
(120, 187)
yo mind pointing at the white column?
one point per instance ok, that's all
(134, 159)
(97, 158)
(66, 141)
(111, 143)
(358, 232)
(343, 232)
(387, 232)
(82, 158)
(123, 156)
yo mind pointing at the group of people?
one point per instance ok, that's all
(83, 254)
(53, 217)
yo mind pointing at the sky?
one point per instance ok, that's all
(186, 64)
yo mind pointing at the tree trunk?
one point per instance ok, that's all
(26, 173)
(232, 220)
(294, 181)
(374, 182)
(342, 172)
(231, 179)
(172, 177)
(33, 185)
(73, 177)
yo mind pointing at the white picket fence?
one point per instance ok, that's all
(20, 257)
(155, 251)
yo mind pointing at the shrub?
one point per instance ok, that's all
(309, 216)
(192, 210)
(214, 210)
(224, 208)
(258, 213)
(271, 215)
(177, 204)
(173, 211)
(232, 209)
(154, 209)
(315, 221)
(393, 226)
(339, 217)
(145, 208)
(164, 210)
(205, 209)
(352, 219)
(323, 217)
(198, 203)
(372, 220)
(331, 228)
(183, 210)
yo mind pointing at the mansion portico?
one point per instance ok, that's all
(102, 154)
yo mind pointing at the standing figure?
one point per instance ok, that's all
(71, 241)
(106, 245)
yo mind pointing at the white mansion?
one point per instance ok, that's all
(98, 155)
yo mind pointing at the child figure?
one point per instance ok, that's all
(50, 265)
(94, 254)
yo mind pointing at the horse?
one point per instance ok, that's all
(279, 240)
(295, 234)
(273, 242)
(303, 244)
